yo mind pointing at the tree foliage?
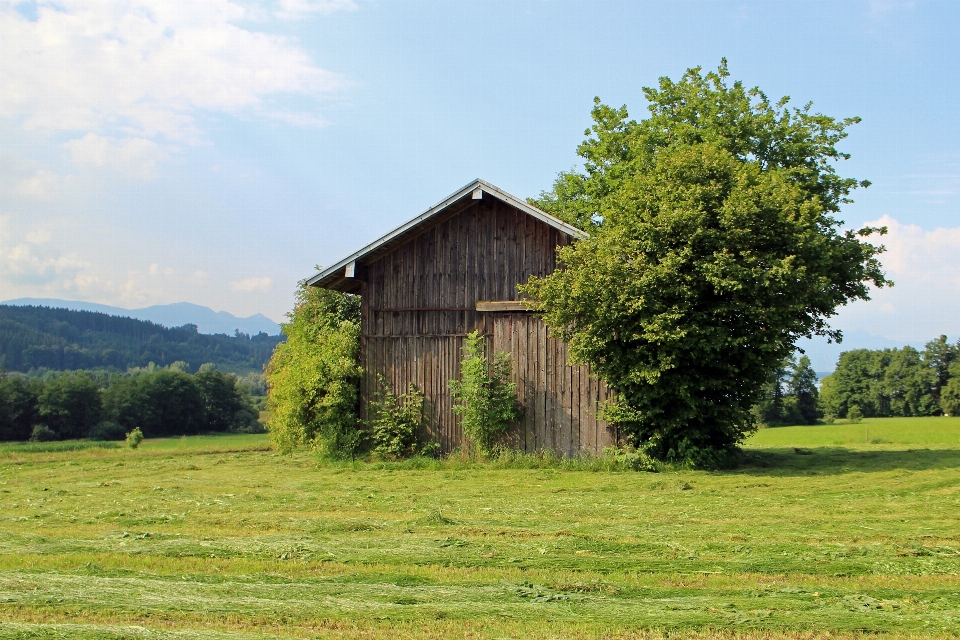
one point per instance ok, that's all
(487, 397)
(105, 406)
(791, 396)
(713, 247)
(314, 376)
(225, 404)
(18, 407)
(893, 382)
(70, 404)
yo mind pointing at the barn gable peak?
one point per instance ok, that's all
(333, 277)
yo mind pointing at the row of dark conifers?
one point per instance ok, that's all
(103, 406)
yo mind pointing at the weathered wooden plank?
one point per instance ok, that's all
(536, 350)
(565, 413)
(502, 305)
(520, 371)
(575, 420)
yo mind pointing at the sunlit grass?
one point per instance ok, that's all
(935, 431)
(219, 537)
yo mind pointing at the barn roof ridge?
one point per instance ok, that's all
(456, 196)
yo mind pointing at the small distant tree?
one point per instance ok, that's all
(803, 387)
(854, 415)
(771, 409)
(938, 355)
(487, 398)
(314, 376)
(134, 438)
(43, 433)
(950, 397)
(226, 407)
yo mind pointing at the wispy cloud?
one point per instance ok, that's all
(145, 68)
(249, 285)
(925, 302)
(127, 157)
(297, 8)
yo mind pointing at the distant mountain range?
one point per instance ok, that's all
(176, 314)
(39, 338)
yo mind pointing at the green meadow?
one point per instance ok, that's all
(844, 530)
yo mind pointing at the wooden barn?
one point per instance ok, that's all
(454, 269)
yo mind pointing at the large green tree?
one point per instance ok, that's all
(713, 247)
(314, 376)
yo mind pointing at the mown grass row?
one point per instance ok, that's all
(220, 537)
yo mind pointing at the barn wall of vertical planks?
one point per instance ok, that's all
(420, 289)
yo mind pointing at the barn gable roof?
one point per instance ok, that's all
(335, 276)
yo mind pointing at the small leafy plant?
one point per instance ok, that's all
(395, 420)
(43, 433)
(854, 415)
(134, 438)
(487, 397)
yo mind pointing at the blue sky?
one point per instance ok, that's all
(156, 151)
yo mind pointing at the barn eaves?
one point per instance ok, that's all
(344, 275)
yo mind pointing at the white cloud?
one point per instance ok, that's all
(919, 256)
(127, 157)
(145, 67)
(296, 8)
(925, 301)
(252, 284)
(297, 119)
(39, 235)
(26, 262)
(41, 184)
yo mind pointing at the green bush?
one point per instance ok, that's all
(314, 376)
(134, 438)
(43, 433)
(106, 431)
(395, 421)
(854, 415)
(950, 397)
(487, 397)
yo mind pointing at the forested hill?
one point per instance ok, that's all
(35, 337)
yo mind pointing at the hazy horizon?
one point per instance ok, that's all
(158, 151)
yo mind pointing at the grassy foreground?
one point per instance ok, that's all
(826, 531)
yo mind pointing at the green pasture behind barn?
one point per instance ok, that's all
(816, 535)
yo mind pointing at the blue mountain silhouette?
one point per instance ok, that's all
(169, 315)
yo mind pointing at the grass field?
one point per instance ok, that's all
(829, 531)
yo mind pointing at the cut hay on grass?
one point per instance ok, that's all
(816, 535)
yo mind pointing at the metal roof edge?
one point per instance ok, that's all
(440, 206)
